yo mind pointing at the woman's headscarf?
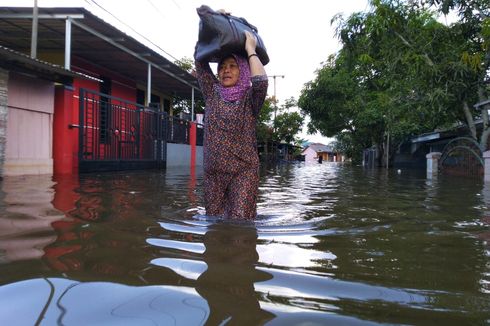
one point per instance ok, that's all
(235, 93)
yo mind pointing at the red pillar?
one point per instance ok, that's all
(63, 145)
(192, 177)
(65, 192)
(192, 142)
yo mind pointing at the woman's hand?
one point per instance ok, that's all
(224, 12)
(256, 67)
(250, 43)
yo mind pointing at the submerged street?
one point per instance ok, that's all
(333, 243)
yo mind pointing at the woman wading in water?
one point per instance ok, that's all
(231, 162)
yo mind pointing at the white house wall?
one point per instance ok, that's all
(29, 126)
(310, 155)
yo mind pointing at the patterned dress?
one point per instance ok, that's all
(231, 162)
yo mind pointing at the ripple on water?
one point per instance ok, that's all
(314, 224)
(277, 242)
(286, 251)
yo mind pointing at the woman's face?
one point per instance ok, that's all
(228, 72)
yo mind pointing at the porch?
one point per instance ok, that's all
(115, 134)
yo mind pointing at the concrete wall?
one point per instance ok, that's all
(3, 116)
(199, 156)
(180, 155)
(29, 147)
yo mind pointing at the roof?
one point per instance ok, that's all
(95, 41)
(458, 129)
(320, 148)
(20, 62)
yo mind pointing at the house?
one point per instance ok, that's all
(27, 89)
(81, 95)
(318, 152)
(412, 152)
(459, 154)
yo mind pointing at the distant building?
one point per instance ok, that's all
(315, 152)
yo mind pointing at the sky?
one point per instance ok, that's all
(298, 35)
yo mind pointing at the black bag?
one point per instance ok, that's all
(223, 34)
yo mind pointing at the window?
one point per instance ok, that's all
(166, 105)
(155, 102)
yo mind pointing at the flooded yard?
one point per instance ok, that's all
(333, 244)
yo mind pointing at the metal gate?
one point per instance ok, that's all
(116, 134)
(462, 156)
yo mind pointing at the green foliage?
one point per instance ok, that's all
(265, 113)
(284, 127)
(351, 147)
(400, 72)
(264, 130)
(186, 63)
(287, 124)
(184, 105)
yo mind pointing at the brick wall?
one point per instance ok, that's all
(3, 116)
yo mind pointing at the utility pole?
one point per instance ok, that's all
(34, 30)
(274, 97)
(274, 150)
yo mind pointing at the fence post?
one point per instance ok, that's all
(4, 76)
(66, 154)
(486, 172)
(433, 164)
(192, 142)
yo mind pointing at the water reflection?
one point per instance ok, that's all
(26, 226)
(228, 282)
(485, 237)
(224, 271)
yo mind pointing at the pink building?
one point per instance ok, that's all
(317, 152)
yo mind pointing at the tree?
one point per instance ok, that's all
(264, 129)
(184, 105)
(400, 72)
(287, 124)
(472, 59)
(187, 64)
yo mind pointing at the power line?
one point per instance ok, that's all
(156, 8)
(131, 28)
(176, 4)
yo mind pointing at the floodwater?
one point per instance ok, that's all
(333, 245)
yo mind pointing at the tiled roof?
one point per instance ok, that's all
(320, 148)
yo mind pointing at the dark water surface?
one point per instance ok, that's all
(333, 245)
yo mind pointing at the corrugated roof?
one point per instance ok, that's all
(21, 62)
(132, 63)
